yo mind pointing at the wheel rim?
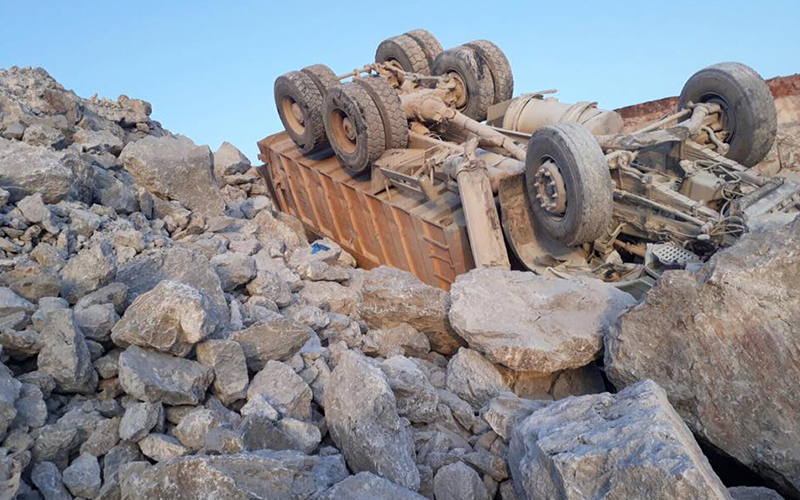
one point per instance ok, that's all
(344, 131)
(462, 94)
(293, 114)
(550, 190)
(728, 115)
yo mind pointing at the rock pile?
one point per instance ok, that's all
(166, 334)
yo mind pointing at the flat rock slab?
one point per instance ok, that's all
(175, 168)
(624, 446)
(724, 343)
(264, 475)
(531, 323)
(157, 377)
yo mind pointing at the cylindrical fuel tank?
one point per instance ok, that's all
(528, 113)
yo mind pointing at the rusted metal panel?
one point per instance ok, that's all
(391, 227)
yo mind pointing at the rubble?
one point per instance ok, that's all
(171, 338)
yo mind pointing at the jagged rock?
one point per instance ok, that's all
(174, 167)
(262, 475)
(230, 368)
(98, 141)
(54, 442)
(48, 256)
(475, 379)
(330, 296)
(272, 338)
(228, 160)
(40, 134)
(708, 336)
(368, 486)
(304, 436)
(150, 268)
(391, 296)
(11, 303)
(282, 388)
(96, 321)
(223, 441)
(458, 481)
(753, 493)
(234, 269)
(532, 323)
(30, 406)
(371, 434)
(32, 282)
(82, 477)
(506, 410)
(47, 478)
(88, 271)
(64, 354)
(192, 429)
(261, 433)
(121, 454)
(9, 392)
(157, 377)
(402, 339)
(104, 437)
(14, 131)
(26, 169)
(417, 399)
(628, 445)
(269, 285)
(172, 318)
(161, 447)
(139, 420)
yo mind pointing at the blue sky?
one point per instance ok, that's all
(208, 67)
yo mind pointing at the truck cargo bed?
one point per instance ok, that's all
(377, 226)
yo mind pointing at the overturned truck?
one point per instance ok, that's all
(425, 161)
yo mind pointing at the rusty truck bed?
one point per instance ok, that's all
(377, 226)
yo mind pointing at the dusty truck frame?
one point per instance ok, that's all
(418, 173)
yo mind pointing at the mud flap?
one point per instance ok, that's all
(536, 251)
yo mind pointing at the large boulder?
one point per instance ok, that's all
(361, 411)
(157, 377)
(87, 271)
(228, 160)
(172, 317)
(177, 263)
(26, 169)
(284, 475)
(391, 297)
(629, 445)
(723, 342)
(175, 168)
(368, 486)
(64, 354)
(532, 323)
(475, 379)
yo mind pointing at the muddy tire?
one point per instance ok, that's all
(323, 77)
(299, 104)
(393, 118)
(748, 108)
(406, 52)
(473, 74)
(498, 64)
(353, 125)
(585, 181)
(429, 44)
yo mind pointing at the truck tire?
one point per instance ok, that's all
(429, 44)
(584, 178)
(406, 52)
(299, 104)
(498, 64)
(323, 77)
(747, 104)
(353, 125)
(473, 75)
(395, 123)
